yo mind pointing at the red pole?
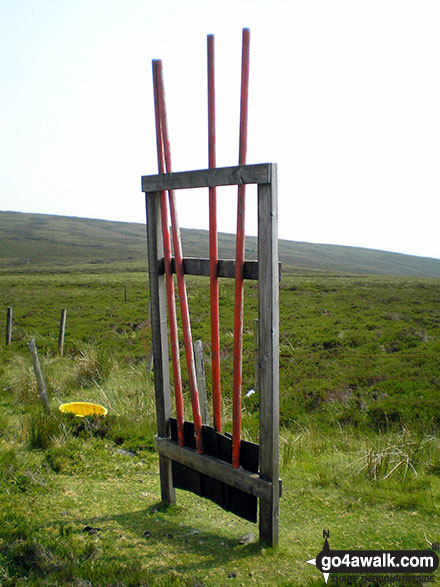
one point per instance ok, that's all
(239, 258)
(174, 337)
(213, 246)
(178, 256)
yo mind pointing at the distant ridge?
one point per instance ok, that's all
(37, 240)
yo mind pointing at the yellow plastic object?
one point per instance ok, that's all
(81, 409)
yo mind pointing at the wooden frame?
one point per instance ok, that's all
(265, 485)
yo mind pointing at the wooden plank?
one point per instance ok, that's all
(249, 482)
(268, 354)
(226, 267)
(159, 340)
(237, 175)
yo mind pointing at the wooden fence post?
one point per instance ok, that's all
(62, 332)
(201, 381)
(8, 326)
(38, 373)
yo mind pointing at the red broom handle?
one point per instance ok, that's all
(183, 299)
(213, 246)
(174, 338)
(239, 258)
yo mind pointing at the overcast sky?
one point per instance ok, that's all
(344, 96)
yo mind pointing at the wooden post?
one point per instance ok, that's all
(256, 357)
(125, 293)
(62, 332)
(160, 339)
(201, 381)
(38, 373)
(150, 354)
(268, 354)
(8, 326)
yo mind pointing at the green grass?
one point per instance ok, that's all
(83, 481)
(359, 440)
(60, 475)
(360, 350)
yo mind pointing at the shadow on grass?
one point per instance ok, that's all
(189, 549)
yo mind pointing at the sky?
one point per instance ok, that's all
(344, 97)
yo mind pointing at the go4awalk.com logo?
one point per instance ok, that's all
(374, 561)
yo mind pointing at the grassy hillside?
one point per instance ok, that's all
(32, 240)
(359, 407)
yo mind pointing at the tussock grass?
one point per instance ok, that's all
(21, 380)
(396, 455)
(129, 391)
(92, 365)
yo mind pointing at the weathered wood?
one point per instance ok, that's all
(256, 357)
(238, 175)
(62, 334)
(125, 293)
(8, 326)
(41, 383)
(268, 354)
(150, 356)
(226, 267)
(159, 340)
(201, 381)
(240, 478)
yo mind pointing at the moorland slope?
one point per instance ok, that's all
(35, 240)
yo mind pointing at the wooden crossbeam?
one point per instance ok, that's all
(226, 267)
(237, 175)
